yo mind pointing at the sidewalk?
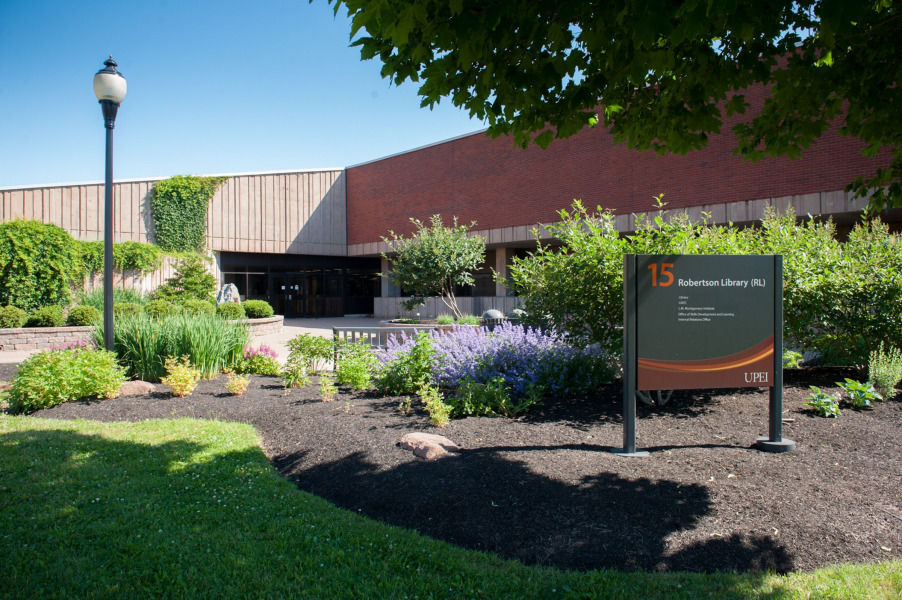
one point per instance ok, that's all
(277, 341)
(322, 327)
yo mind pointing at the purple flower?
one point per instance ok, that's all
(263, 350)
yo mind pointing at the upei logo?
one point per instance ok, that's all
(758, 377)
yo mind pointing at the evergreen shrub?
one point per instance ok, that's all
(257, 309)
(230, 311)
(12, 317)
(83, 315)
(46, 316)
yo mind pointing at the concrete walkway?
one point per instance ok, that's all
(277, 341)
(292, 328)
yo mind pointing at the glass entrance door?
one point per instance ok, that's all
(301, 295)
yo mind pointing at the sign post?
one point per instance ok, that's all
(695, 322)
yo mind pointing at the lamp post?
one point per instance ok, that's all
(109, 87)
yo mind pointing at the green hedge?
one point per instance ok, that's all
(841, 299)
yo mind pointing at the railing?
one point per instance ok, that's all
(375, 336)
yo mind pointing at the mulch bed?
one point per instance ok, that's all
(545, 488)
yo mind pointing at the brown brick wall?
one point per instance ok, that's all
(498, 185)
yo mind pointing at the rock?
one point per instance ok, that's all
(228, 293)
(493, 314)
(428, 445)
(136, 388)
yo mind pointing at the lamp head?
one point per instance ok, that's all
(109, 84)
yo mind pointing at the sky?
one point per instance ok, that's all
(231, 86)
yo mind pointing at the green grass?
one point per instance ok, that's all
(192, 509)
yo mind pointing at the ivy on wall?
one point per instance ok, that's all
(127, 256)
(179, 207)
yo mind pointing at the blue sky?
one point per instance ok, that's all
(229, 86)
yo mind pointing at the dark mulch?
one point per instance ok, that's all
(545, 489)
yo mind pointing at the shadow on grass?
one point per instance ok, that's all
(85, 514)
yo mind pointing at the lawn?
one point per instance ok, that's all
(191, 508)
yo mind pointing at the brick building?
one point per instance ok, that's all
(310, 241)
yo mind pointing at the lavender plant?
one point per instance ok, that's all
(523, 357)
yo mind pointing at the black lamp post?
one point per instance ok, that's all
(109, 87)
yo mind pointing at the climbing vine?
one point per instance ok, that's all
(179, 207)
(127, 256)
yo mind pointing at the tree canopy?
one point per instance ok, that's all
(660, 74)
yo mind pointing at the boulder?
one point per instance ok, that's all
(136, 388)
(427, 445)
(228, 293)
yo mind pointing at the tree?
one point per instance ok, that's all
(661, 75)
(433, 260)
(191, 281)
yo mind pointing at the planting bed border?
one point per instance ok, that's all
(45, 338)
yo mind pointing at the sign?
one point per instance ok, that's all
(698, 321)
(704, 322)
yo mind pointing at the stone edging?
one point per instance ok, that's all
(42, 338)
(45, 338)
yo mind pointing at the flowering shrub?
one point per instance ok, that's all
(260, 361)
(523, 357)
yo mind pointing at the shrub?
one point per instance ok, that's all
(260, 361)
(356, 365)
(38, 264)
(181, 377)
(327, 389)
(258, 309)
(823, 404)
(231, 311)
(791, 359)
(83, 315)
(49, 378)
(127, 309)
(191, 281)
(445, 319)
(468, 320)
(294, 374)
(46, 316)
(313, 351)
(237, 384)
(885, 370)
(198, 307)
(406, 368)
(12, 317)
(439, 412)
(492, 399)
(141, 343)
(159, 309)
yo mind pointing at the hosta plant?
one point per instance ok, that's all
(861, 395)
(823, 404)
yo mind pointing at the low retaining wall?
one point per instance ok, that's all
(42, 338)
(269, 325)
(45, 338)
